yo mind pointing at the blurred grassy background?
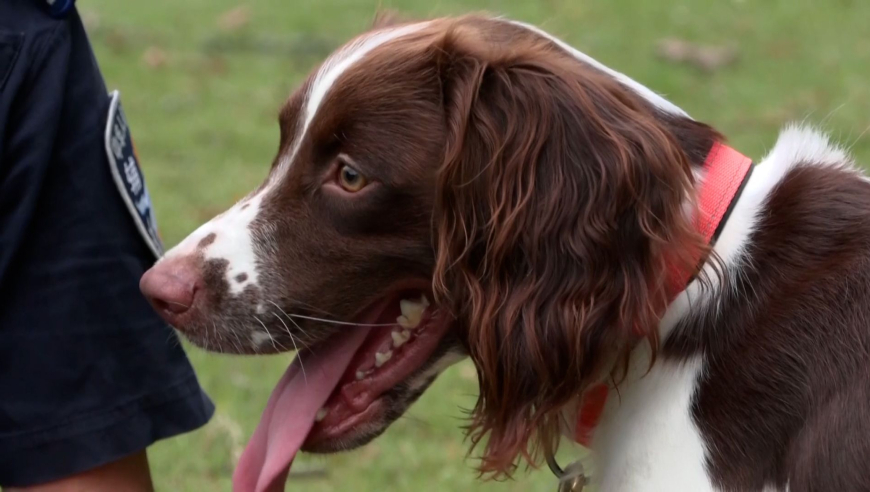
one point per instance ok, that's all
(202, 81)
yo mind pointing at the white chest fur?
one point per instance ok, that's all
(647, 440)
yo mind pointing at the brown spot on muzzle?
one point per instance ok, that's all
(206, 241)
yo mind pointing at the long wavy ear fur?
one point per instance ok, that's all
(560, 206)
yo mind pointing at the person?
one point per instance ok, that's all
(89, 375)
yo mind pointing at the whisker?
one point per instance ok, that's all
(219, 337)
(173, 336)
(269, 334)
(292, 338)
(238, 342)
(309, 306)
(206, 342)
(288, 328)
(334, 322)
(298, 354)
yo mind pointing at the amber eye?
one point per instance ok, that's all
(350, 179)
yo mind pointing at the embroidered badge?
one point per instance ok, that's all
(128, 177)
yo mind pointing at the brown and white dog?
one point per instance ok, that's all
(474, 186)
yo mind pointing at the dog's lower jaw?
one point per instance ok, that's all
(390, 406)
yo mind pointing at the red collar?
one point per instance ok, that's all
(726, 173)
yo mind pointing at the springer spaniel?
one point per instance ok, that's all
(475, 187)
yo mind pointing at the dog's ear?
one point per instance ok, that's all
(559, 204)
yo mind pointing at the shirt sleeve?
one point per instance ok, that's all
(31, 102)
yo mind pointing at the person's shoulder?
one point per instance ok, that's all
(30, 34)
(33, 17)
(35, 28)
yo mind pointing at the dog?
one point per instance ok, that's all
(475, 187)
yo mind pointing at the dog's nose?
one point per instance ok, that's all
(171, 287)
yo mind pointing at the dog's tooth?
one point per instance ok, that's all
(360, 375)
(382, 358)
(321, 414)
(412, 312)
(400, 337)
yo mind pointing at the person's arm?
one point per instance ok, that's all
(36, 65)
(130, 474)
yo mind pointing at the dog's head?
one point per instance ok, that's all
(457, 186)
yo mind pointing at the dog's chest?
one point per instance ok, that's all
(647, 439)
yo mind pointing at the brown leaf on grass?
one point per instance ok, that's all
(706, 58)
(116, 40)
(234, 19)
(216, 65)
(782, 49)
(154, 57)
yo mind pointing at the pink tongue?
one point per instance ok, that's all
(291, 412)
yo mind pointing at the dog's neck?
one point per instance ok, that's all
(723, 175)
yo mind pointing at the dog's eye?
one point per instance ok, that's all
(350, 179)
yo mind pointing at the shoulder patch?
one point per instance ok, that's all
(128, 176)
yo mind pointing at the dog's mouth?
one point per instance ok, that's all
(338, 386)
(387, 356)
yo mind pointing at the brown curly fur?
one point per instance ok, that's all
(559, 210)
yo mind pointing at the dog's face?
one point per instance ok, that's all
(443, 182)
(339, 234)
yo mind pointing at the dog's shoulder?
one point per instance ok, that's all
(806, 145)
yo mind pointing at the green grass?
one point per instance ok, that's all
(202, 103)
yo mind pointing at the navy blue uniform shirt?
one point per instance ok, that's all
(88, 373)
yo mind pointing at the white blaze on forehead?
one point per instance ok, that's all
(332, 69)
(233, 235)
(644, 91)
